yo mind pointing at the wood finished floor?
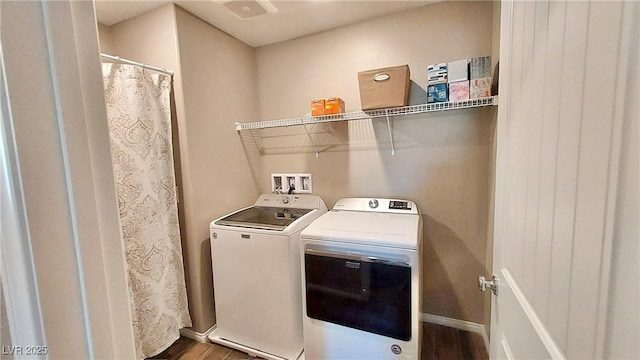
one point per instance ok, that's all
(438, 343)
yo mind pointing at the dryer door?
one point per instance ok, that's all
(368, 293)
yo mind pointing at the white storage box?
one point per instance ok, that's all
(480, 88)
(437, 73)
(480, 67)
(459, 91)
(458, 70)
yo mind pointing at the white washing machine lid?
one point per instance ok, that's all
(282, 214)
(259, 217)
(366, 227)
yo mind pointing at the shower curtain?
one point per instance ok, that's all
(139, 116)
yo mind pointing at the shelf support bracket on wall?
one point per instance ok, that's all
(393, 148)
(315, 148)
(256, 141)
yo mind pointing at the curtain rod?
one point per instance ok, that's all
(135, 63)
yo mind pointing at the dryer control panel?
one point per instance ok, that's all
(397, 206)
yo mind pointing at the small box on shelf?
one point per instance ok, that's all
(333, 106)
(480, 67)
(459, 91)
(437, 93)
(480, 88)
(317, 107)
(437, 73)
(458, 71)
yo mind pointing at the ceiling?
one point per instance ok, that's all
(293, 19)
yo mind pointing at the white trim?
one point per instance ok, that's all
(536, 323)
(65, 111)
(83, 291)
(506, 348)
(621, 113)
(251, 351)
(21, 294)
(92, 204)
(197, 336)
(458, 324)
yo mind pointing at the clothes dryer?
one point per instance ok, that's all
(361, 281)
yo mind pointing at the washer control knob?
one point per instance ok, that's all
(373, 203)
(285, 200)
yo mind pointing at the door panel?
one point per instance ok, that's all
(548, 156)
(558, 139)
(523, 327)
(572, 68)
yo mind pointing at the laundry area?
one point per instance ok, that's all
(336, 179)
(440, 161)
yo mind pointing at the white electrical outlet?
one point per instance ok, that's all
(301, 183)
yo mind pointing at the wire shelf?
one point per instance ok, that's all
(369, 114)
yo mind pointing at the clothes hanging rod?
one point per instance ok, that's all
(135, 63)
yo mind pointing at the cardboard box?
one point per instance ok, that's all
(317, 107)
(459, 91)
(384, 88)
(480, 88)
(437, 73)
(480, 67)
(458, 71)
(437, 93)
(333, 106)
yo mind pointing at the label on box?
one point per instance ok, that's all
(437, 93)
(480, 88)
(459, 91)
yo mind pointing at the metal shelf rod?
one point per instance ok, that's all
(393, 147)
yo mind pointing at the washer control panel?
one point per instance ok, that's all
(293, 201)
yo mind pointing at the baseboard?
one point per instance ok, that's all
(194, 335)
(430, 318)
(458, 324)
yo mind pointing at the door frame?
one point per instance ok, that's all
(78, 262)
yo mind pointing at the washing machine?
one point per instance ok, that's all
(361, 281)
(256, 273)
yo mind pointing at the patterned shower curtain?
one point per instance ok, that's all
(140, 131)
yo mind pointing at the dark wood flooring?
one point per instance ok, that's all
(438, 343)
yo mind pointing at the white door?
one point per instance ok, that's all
(563, 76)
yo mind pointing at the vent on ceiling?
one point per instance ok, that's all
(249, 9)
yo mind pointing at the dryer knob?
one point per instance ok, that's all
(373, 203)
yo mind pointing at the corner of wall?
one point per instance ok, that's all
(105, 39)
